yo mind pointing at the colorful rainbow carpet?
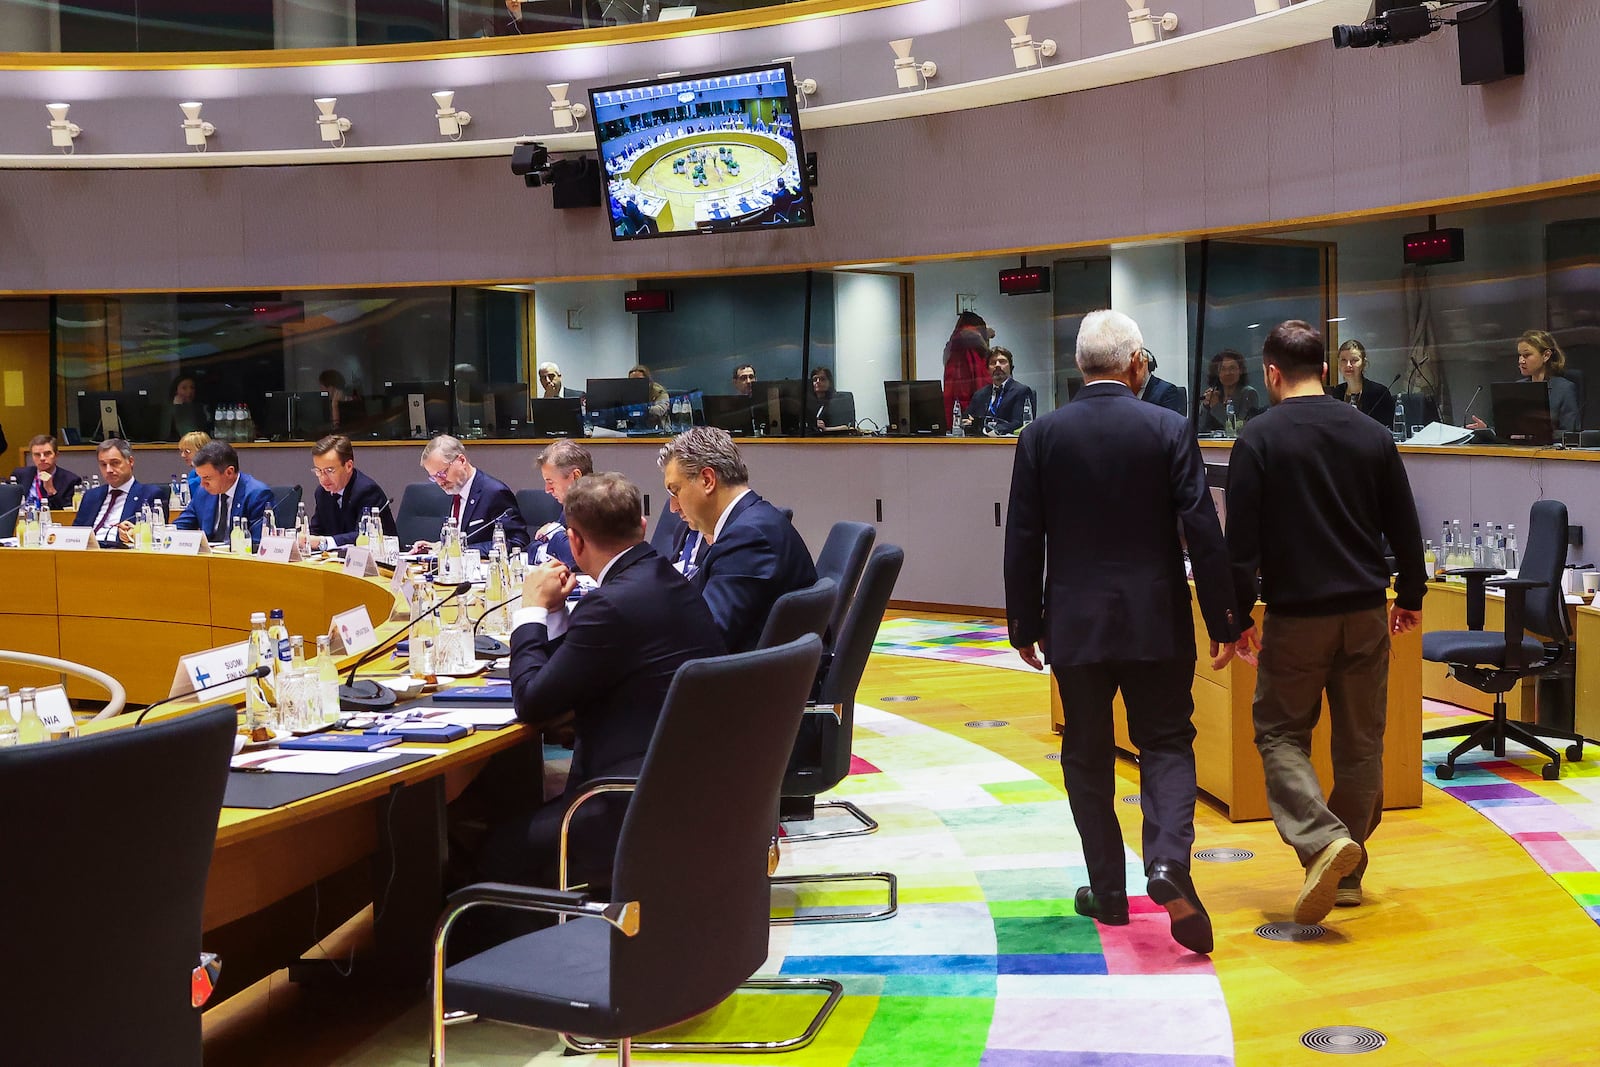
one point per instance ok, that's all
(986, 965)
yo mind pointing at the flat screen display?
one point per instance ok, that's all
(711, 153)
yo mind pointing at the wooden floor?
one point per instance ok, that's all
(1466, 952)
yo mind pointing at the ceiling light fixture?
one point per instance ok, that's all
(1024, 51)
(563, 112)
(450, 120)
(62, 132)
(195, 129)
(329, 125)
(906, 68)
(1146, 27)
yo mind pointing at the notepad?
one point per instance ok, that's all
(484, 718)
(280, 762)
(475, 694)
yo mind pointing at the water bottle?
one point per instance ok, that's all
(302, 686)
(327, 680)
(1512, 560)
(302, 528)
(1477, 544)
(1230, 421)
(1027, 410)
(30, 728)
(278, 641)
(249, 423)
(956, 429)
(184, 498)
(77, 496)
(141, 530)
(269, 522)
(158, 528)
(239, 539)
(257, 710)
(8, 725)
(1399, 420)
(363, 532)
(1430, 558)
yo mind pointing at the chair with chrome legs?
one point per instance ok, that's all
(687, 923)
(822, 753)
(1536, 640)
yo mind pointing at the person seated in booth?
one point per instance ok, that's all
(119, 494)
(609, 661)
(184, 413)
(188, 445)
(752, 554)
(660, 400)
(835, 412)
(561, 465)
(1004, 405)
(1161, 392)
(1227, 382)
(1367, 397)
(225, 494)
(43, 482)
(478, 499)
(1540, 359)
(550, 387)
(342, 496)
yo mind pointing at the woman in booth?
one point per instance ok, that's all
(183, 413)
(1227, 382)
(188, 445)
(1369, 398)
(833, 412)
(966, 363)
(660, 400)
(1540, 359)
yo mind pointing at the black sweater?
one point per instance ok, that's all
(1314, 488)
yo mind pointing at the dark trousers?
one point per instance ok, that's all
(1346, 656)
(1160, 712)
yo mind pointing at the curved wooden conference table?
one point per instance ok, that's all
(281, 877)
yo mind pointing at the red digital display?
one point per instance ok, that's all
(1024, 281)
(1435, 246)
(645, 301)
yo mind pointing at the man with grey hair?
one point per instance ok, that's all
(118, 497)
(752, 554)
(477, 499)
(1099, 491)
(550, 383)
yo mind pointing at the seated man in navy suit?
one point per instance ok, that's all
(752, 554)
(42, 481)
(343, 495)
(1162, 392)
(225, 494)
(561, 465)
(609, 661)
(478, 499)
(1003, 406)
(109, 508)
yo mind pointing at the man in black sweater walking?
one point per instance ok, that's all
(1314, 488)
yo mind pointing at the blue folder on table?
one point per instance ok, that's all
(423, 730)
(475, 694)
(341, 742)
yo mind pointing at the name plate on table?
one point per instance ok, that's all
(402, 589)
(352, 631)
(226, 663)
(188, 543)
(359, 562)
(70, 537)
(51, 702)
(279, 548)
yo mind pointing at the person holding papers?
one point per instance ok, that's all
(478, 499)
(104, 507)
(608, 661)
(343, 495)
(225, 494)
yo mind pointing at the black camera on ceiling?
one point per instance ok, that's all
(530, 161)
(573, 182)
(1396, 25)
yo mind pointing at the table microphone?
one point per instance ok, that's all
(368, 695)
(1471, 402)
(485, 646)
(260, 672)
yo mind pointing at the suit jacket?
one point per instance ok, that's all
(64, 481)
(251, 498)
(1376, 400)
(624, 642)
(1093, 563)
(559, 545)
(1162, 392)
(758, 558)
(1008, 415)
(138, 495)
(491, 499)
(339, 518)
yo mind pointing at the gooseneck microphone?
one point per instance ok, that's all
(368, 695)
(260, 672)
(1471, 402)
(485, 646)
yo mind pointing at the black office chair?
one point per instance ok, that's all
(843, 556)
(800, 612)
(107, 888)
(10, 507)
(687, 924)
(285, 502)
(1536, 639)
(821, 758)
(423, 509)
(538, 507)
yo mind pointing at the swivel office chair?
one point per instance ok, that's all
(423, 509)
(1536, 639)
(537, 507)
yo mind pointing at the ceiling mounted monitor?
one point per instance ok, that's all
(708, 153)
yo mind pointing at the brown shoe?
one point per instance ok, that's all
(1322, 880)
(1349, 894)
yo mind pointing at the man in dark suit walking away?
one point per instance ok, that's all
(1095, 579)
(609, 661)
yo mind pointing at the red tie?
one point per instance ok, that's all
(111, 504)
(455, 510)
